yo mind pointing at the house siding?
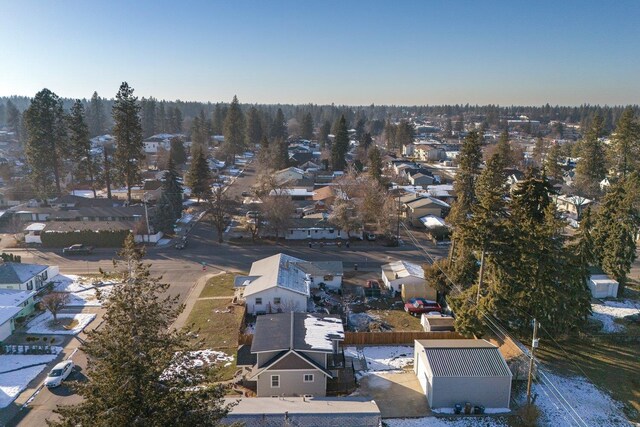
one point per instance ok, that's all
(292, 384)
(290, 301)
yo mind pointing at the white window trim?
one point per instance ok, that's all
(304, 378)
(275, 376)
(258, 301)
(277, 300)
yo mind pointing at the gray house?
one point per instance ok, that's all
(295, 353)
(457, 371)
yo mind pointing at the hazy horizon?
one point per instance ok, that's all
(357, 53)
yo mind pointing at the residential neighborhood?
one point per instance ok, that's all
(372, 215)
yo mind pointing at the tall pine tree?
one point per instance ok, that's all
(199, 175)
(47, 145)
(95, 116)
(625, 143)
(340, 146)
(127, 132)
(234, 127)
(80, 146)
(141, 371)
(591, 168)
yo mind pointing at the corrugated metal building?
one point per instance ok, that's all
(460, 371)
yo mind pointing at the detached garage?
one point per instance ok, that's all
(460, 371)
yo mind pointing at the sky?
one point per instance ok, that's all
(400, 52)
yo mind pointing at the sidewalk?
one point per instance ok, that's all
(190, 300)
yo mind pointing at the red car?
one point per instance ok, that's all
(372, 284)
(420, 306)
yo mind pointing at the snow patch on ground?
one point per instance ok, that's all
(439, 422)
(197, 359)
(593, 406)
(384, 358)
(43, 323)
(12, 383)
(608, 311)
(82, 290)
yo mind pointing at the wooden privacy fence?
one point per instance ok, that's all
(245, 339)
(406, 337)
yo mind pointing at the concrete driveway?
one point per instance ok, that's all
(397, 395)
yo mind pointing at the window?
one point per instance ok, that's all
(276, 300)
(308, 378)
(275, 381)
(291, 232)
(258, 301)
(327, 278)
(30, 285)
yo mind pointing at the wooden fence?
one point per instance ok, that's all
(245, 339)
(387, 338)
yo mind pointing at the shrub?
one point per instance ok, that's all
(102, 239)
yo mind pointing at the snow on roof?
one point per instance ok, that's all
(277, 271)
(7, 313)
(404, 269)
(432, 221)
(320, 332)
(293, 192)
(36, 226)
(14, 297)
(12, 273)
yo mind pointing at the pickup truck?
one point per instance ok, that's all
(77, 249)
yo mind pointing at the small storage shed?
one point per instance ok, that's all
(602, 286)
(434, 323)
(418, 290)
(454, 372)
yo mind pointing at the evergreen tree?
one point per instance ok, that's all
(161, 118)
(540, 152)
(95, 116)
(538, 276)
(148, 109)
(552, 162)
(448, 128)
(591, 168)
(405, 133)
(307, 127)
(199, 175)
(176, 120)
(164, 219)
(47, 145)
(584, 245)
(279, 126)
(366, 141)
(177, 151)
(234, 126)
(325, 130)
(14, 119)
(127, 132)
(340, 146)
(459, 126)
(254, 128)
(503, 148)
(375, 164)
(219, 114)
(80, 145)
(172, 188)
(469, 161)
(280, 153)
(133, 377)
(625, 143)
(615, 229)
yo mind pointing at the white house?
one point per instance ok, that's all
(14, 304)
(33, 231)
(457, 371)
(602, 286)
(25, 277)
(397, 273)
(276, 284)
(288, 174)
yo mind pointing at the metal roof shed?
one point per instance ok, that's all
(459, 371)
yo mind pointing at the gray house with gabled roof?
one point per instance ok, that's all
(25, 277)
(295, 353)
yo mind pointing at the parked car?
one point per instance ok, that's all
(420, 306)
(77, 249)
(181, 244)
(59, 373)
(246, 194)
(372, 284)
(370, 237)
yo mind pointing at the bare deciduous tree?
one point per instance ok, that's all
(277, 209)
(54, 302)
(220, 207)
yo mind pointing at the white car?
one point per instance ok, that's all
(59, 373)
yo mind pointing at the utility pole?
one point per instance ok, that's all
(398, 218)
(534, 345)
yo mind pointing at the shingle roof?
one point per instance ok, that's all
(12, 273)
(464, 358)
(276, 271)
(311, 332)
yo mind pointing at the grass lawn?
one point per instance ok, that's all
(219, 286)
(611, 365)
(399, 320)
(218, 327)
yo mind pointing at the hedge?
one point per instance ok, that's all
(101, 239)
